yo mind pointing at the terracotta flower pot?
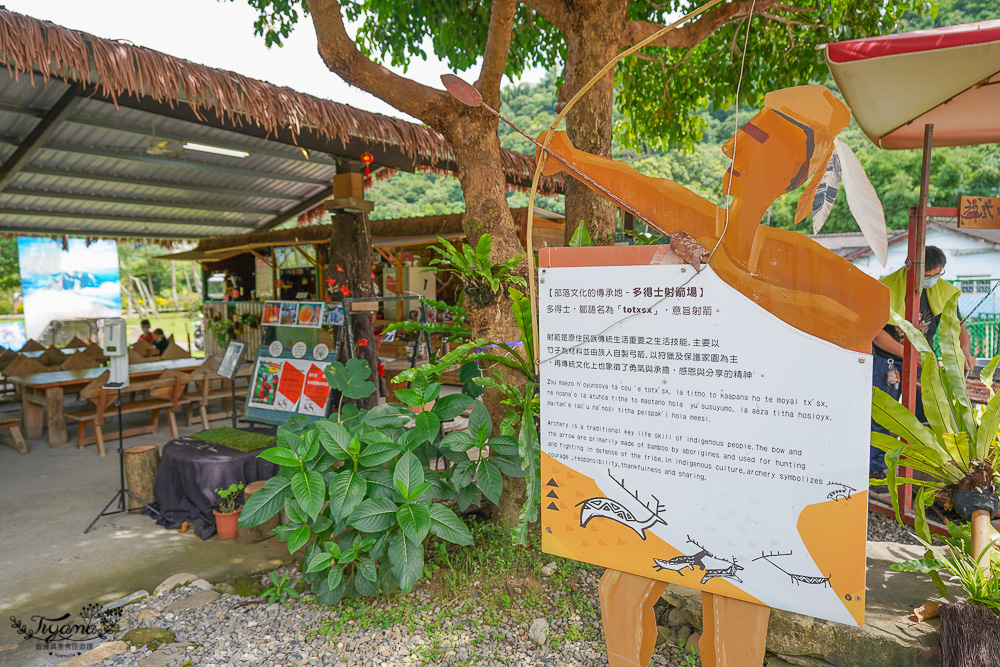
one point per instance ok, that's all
(225, 524)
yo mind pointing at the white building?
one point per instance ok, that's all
(973, 261)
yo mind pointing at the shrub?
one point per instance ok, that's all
(358, 490)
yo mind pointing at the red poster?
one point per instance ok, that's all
(317, 392)
(290, 383)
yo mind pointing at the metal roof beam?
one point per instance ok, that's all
(92, 233)
(315, 157)
(211, 222)
(171, 185)
(39, 135)
(313, 201)
(104, 199)
(171, 162)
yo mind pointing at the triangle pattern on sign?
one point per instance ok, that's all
(551, 482)
(552, 506)
(551, 494)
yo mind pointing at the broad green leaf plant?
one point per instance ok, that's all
(957, 448)
(364, 489)
(520, 425)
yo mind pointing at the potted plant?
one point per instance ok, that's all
(970, 630)
(228, 514)
(957, 450)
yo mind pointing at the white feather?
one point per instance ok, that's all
(826, 194)
(863, 201)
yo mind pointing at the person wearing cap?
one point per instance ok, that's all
(887, 348)
(785, 145)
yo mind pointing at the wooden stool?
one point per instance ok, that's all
(142, 462)
(263, 531)
(15, 433)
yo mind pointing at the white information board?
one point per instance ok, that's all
(688, 435)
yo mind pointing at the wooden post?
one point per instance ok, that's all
(257, 533)
(627, 614)
(141, 465)
(734, 632)
(981, 539)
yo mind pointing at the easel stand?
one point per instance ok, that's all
(122, 492)
(348, 331)
(734, 632)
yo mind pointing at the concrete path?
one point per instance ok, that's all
(49, 567)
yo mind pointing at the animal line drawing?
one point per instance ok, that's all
(680, 563)
(601, 507)
(725, 572)
(796, 578)
(841, 492)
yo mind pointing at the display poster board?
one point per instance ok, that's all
(231, 360)
(307, 314)
(12, 335)
(264, 278)
(690, 436)
(67, 280)
(289, 385)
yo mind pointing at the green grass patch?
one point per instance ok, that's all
(231, 437)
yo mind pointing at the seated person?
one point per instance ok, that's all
(147, 335)
(160, 341)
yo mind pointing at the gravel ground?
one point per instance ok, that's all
(886, 529)
(420, 629)
(230, 632)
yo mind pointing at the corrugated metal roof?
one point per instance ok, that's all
(105, 171)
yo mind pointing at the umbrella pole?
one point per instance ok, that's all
(917, 240)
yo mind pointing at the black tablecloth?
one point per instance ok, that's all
(190, 472)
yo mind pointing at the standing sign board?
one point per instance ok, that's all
(690, 436)
(287, 382)
(979, 212)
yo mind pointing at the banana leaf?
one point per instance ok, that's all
(989, 425)
(953, 361)
(937, 401)
(918, 457)
(986, 375)
(891, 415)
(957, 444)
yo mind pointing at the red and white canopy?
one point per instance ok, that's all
(946, 76)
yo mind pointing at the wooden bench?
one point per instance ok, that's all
(14, 424)
(164, 394)
(209, 387)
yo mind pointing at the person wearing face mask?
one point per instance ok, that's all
(888, 344)
(147, 335)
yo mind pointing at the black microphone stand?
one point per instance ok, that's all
(122, 492)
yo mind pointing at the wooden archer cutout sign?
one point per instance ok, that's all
(711, 428)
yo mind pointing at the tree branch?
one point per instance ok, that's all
(497, 48)
(553, 11)
(342, 57)
(695, 32)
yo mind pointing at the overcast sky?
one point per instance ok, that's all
(220, 34)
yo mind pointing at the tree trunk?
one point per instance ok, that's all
(484, 189)
(187, 276)
(173, 285)
(149, 284)
(590, 44)
(351, 250)
(141, 465)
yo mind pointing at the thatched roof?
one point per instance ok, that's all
(114, 69)
(429, 226)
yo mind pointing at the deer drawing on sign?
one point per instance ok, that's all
(607, 508)
(680, 563)
(724, 572)
(796, 578)
(841, 492)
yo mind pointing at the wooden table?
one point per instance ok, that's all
(48, 390)
(37, 353)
